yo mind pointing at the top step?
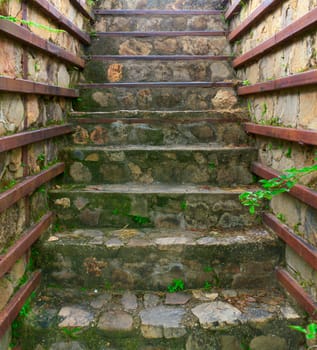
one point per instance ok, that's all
(164, 4)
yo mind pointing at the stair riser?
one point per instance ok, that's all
(154, 268)
(163, 4)
(182, 45)
(149, 98)
(148, 23)
(216, 167)
(162, 210)
(158, 133)
(137, 71)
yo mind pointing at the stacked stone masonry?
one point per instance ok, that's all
(22, 112)
(294, 108)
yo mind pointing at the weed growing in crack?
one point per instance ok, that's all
(176, 286)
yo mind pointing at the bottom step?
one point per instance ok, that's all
(186, 320)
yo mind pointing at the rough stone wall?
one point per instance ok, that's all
(19, 112)
(296, 108)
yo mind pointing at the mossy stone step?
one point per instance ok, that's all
(192, 164)
(156, 98)
(102, 131)
(133, 320)
(158, 22)
(160, 45)
(150, 259)
(107, 71)
(162, 206)
(163, 4)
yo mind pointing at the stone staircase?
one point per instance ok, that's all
(149, 200)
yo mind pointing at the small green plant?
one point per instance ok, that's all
(288, 153)
(310, 332)
(281, 217)
(264, 110)
(7, 185)
(246, 82)
(275, 186)
(140, 220)
(71, 332)
(214, 280)
(31, 24)
(207, 286)
(183, 205)
(176, 286)
(212, 165)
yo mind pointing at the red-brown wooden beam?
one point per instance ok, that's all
(28, 137)
(302, 136)
(23, 35)
(81, 7)
(163, 33)
(157, 12)
(52, 12)
(24, 243)
(293, 30)
(297, 292)
(299, 245)
(30, 87)
(12, 309)
(29, 185)
(257, 15)
(300, 192)
(290, 82)
(233, 9)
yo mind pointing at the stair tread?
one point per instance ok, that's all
(130, 12)
(154, 188)
(172, 147)
(164, 33)
(149, 237)
(175, 313)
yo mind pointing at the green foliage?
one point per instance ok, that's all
(281, 217)
(140, 220)
(212, 165)
(7, 185)
(71, 332)
(207, 286)
(274, 187)
(246, 82)
(310, 331)
(288, 153)
(176, 286)
(31, 24)
(214, 280)
(264, 109)
(183, 205)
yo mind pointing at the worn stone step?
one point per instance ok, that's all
(208, 164)
(156, 21)
(163, 4)
(159, 45)
(109, 71)
(133, 320)
(102, 130)
(152, 258)
(161, 206)
(156, 97)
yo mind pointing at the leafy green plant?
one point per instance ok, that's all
(214, 280)
(207, 286)
(71, 332)
(288, 153)
(176, 286)
(264, 109)
(141, 220)
(274, 187)
(246, 82)
(31, 24)
(310, 331)
(183, 205)
(281, 217)
(212, 165)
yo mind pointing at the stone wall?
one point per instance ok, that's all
(296, 108)
(21, 112)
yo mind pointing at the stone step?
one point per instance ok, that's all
(136, 21)
(156, 97)
(206, 164)
(194, 43)
(150, 259)
(131, 70)
(104, 131)
(160, 206)
(163, 4)
(191, 320)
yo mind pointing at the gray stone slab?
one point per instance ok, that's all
(74, 316)
(177, 298)
(215, 314)
(115, 321)
(129, 301)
